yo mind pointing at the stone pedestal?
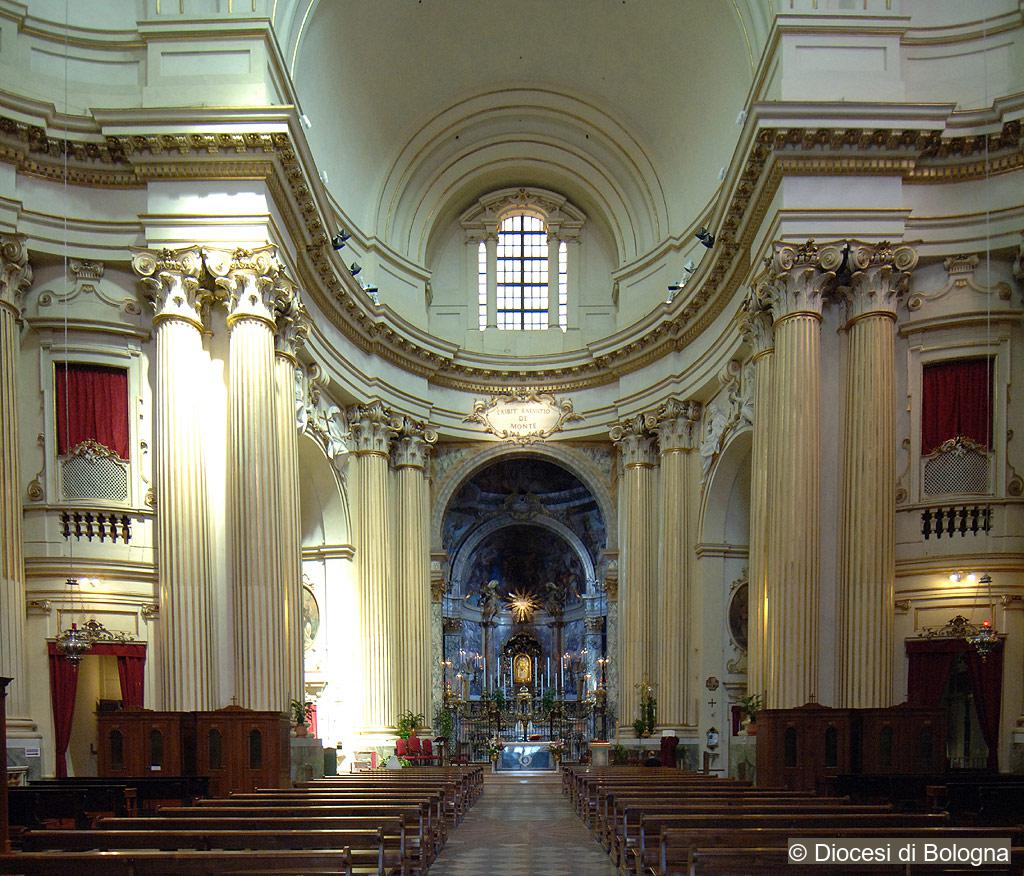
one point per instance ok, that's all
(307, 759)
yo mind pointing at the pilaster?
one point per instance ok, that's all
(372, 427)
(867, 554)
(15, 278)
(637, 446)
(799, 276)
(184, 643)
(678, 436)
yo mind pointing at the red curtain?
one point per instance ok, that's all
(131, 665)
(92, 402)
(956, 401)
(929, 665)
(986, 683)
(63, 686)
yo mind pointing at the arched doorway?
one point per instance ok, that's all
(524, 613)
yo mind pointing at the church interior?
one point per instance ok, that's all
(593, 416)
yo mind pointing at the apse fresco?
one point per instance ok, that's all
(528, 559)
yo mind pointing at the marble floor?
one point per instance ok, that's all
(522, 826)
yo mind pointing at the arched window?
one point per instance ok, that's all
(522, 268)
(520, 259)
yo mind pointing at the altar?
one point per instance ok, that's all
(526, 756)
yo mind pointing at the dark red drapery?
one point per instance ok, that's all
(929, 663)
(131, 665)
(63, 686)
(92, 402)
(956, 400)
(986, 683)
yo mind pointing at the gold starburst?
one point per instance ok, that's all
(522, 605)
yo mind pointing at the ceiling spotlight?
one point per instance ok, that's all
(705, 237)
(355, 268)
(339, 239)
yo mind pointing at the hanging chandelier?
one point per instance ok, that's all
(73, 644)
(984, 638)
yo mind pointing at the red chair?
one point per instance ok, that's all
(402, 747)
(428, 751)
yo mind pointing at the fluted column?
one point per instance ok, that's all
(638, 499)
(867, 553)
(757, 330)
(412, 567)
(677, 438)
(371, 429)
(254, 479)
(15, 278)
(292, 329)
(184, 646)
(799, 277)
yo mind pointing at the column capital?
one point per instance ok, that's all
(634, 436)
(413, 444)
(371, 428)
(170, 282)
(756, 317)
(15, 270)
(250, 281)
(800, 275)
(677, 427)
(292, 320)
(879, 274)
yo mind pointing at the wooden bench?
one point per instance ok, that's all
(181, 863)
(677, 846)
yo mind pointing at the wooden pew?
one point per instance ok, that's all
(36, 806)
(292, 862)
(376, 850)
(150, 791)
(677, 846)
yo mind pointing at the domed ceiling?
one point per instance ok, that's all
(625, 106)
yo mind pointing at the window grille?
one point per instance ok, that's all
(89, 476)
(957, 471)
(522, 273)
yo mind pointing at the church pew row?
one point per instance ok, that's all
(291, 862)
(149, 791)
(644, 855)
(447, 802)
(775, 861)
(379, 849)
(677, 848)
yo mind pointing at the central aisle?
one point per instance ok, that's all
(522, 826)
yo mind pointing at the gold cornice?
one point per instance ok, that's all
(772, 153)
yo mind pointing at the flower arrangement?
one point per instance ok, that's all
(408, 723)
(557, 749)
(494, 747)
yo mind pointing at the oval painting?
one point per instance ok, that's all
(738, 611)
(310, 618)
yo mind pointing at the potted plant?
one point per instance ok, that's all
(494, 749)
(557, 749)
(408, 724)
(444, 726)
(302, 714)
(750, 706)
(640, 728)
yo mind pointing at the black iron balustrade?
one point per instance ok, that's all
(96, 524)
(955, 520)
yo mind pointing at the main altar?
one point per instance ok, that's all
(517, 756)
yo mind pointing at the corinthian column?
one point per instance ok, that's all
(677, 510)
(184, 649)
(799, 277)
(15, 277)
(412, 568)
(638, 500)
(254, 478)
(867, 554)
(292, 330)
(371, 428)
(757, 331)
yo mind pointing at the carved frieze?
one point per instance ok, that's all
(15, 270)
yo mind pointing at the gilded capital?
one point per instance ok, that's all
(170, 282)
(678, 425)
(249, 279)
(371, 428)
(635, 438)
(413, 444)
(15, 271)
(756, 316)
(879, 274)
(800, 275)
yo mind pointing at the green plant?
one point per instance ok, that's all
(548, 700)
(639, 727)
(302, 713)
(444, 724)
(751, 705)
(650, 713)
(407, 722)
(620, 755)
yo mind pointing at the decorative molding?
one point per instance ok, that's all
(170, 280)
(678, 425)
(523, 417)
(150, 611)
(318, 417)
(960, 270)
(15, 270)
(902, 605)
(800, 277)
(636, 440)
(371, 428)
(91, 449)
(879, 274)
(723, 417)
(413, 444)
(39, 606)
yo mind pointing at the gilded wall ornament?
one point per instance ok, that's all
(523, 417)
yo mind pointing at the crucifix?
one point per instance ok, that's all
(712, 703)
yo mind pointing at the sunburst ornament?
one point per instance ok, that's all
(522, 605)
